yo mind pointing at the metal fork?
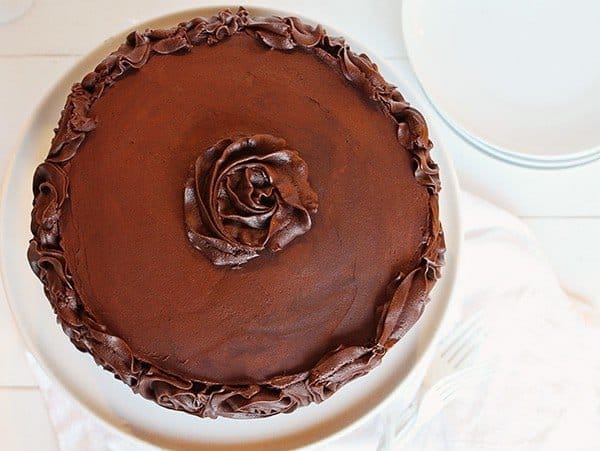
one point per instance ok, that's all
(453, 369)
(459, 348)
(439, 396)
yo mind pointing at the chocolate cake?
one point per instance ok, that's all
(237, 215)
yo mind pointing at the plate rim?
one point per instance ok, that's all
(509, 155)
(451, 187)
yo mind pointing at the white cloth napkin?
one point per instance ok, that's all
(544, 393)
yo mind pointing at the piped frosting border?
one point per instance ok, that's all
(407, 293)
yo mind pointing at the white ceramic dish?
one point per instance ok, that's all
(519, 80)
(112, 401)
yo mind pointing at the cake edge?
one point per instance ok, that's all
(406, 295)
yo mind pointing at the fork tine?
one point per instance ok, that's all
(474, 328)
(461, 375)
(458, 336)
(465, 376)
(452, 386)
(402, 421)
(467, 350)
(465, 356)
(452, 390)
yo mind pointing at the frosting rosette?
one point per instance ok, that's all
(245, 196)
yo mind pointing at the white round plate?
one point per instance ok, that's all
(518, 79)
(111, 400)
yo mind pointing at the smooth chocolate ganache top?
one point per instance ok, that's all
(237, 216)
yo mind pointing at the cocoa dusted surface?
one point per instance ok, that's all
(124, 236)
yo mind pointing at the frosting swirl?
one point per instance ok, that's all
(245, 196)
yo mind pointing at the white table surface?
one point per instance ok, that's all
(561, 206)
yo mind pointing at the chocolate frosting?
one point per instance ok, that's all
(237, 203)
(247, 195)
